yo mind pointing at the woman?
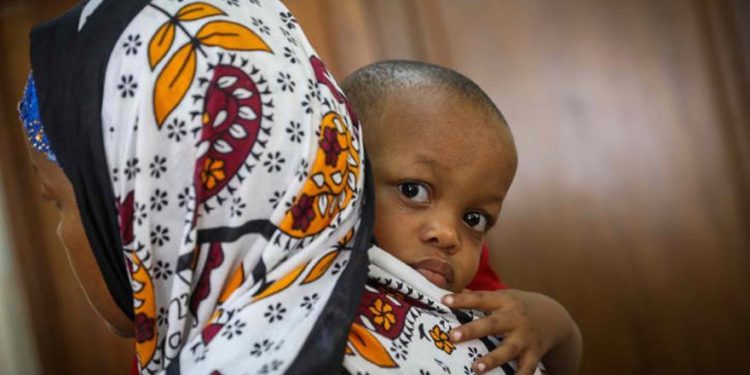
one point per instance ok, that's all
(205, 161)
(196, 175)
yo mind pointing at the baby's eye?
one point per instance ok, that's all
(414, 192)
(476, 221)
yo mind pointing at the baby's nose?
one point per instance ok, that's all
(441, 235)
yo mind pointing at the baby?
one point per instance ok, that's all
(443, 159)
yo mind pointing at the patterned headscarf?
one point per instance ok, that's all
(220, 177)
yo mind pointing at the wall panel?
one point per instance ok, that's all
(627, 205)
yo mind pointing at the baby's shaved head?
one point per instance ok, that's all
(367, 87)
(385, 91)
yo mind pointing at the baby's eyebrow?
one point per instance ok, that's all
(431, 164)
(493, 198)
(423, 159)
(428, 161)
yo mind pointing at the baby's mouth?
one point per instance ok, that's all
(437, 271)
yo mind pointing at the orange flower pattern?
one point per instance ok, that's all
(330, 186)
(212, 173)
(441, 340)
(383, 314)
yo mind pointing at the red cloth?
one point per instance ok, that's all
(486, 278)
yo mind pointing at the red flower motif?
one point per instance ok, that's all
(125, 211)
(144, 328)
(330, 145)
(203, 289)
(303, 213)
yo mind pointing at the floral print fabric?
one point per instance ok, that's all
(402, 327)
(238, 176)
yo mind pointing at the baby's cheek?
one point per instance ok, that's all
(391, 228)
(467, 267)
(463, 278)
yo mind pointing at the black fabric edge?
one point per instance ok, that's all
(69, 65)
(323, 351)
(230, 234)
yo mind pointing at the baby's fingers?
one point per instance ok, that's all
(481, 300)
(491, 325)
(498, 357)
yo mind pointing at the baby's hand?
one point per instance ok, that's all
(507, 317)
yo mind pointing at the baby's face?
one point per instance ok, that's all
(442, 167)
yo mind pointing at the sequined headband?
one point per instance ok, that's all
(28, 109)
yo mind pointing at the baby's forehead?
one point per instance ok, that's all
(434, 110)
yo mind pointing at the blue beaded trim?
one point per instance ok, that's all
(28, 109)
